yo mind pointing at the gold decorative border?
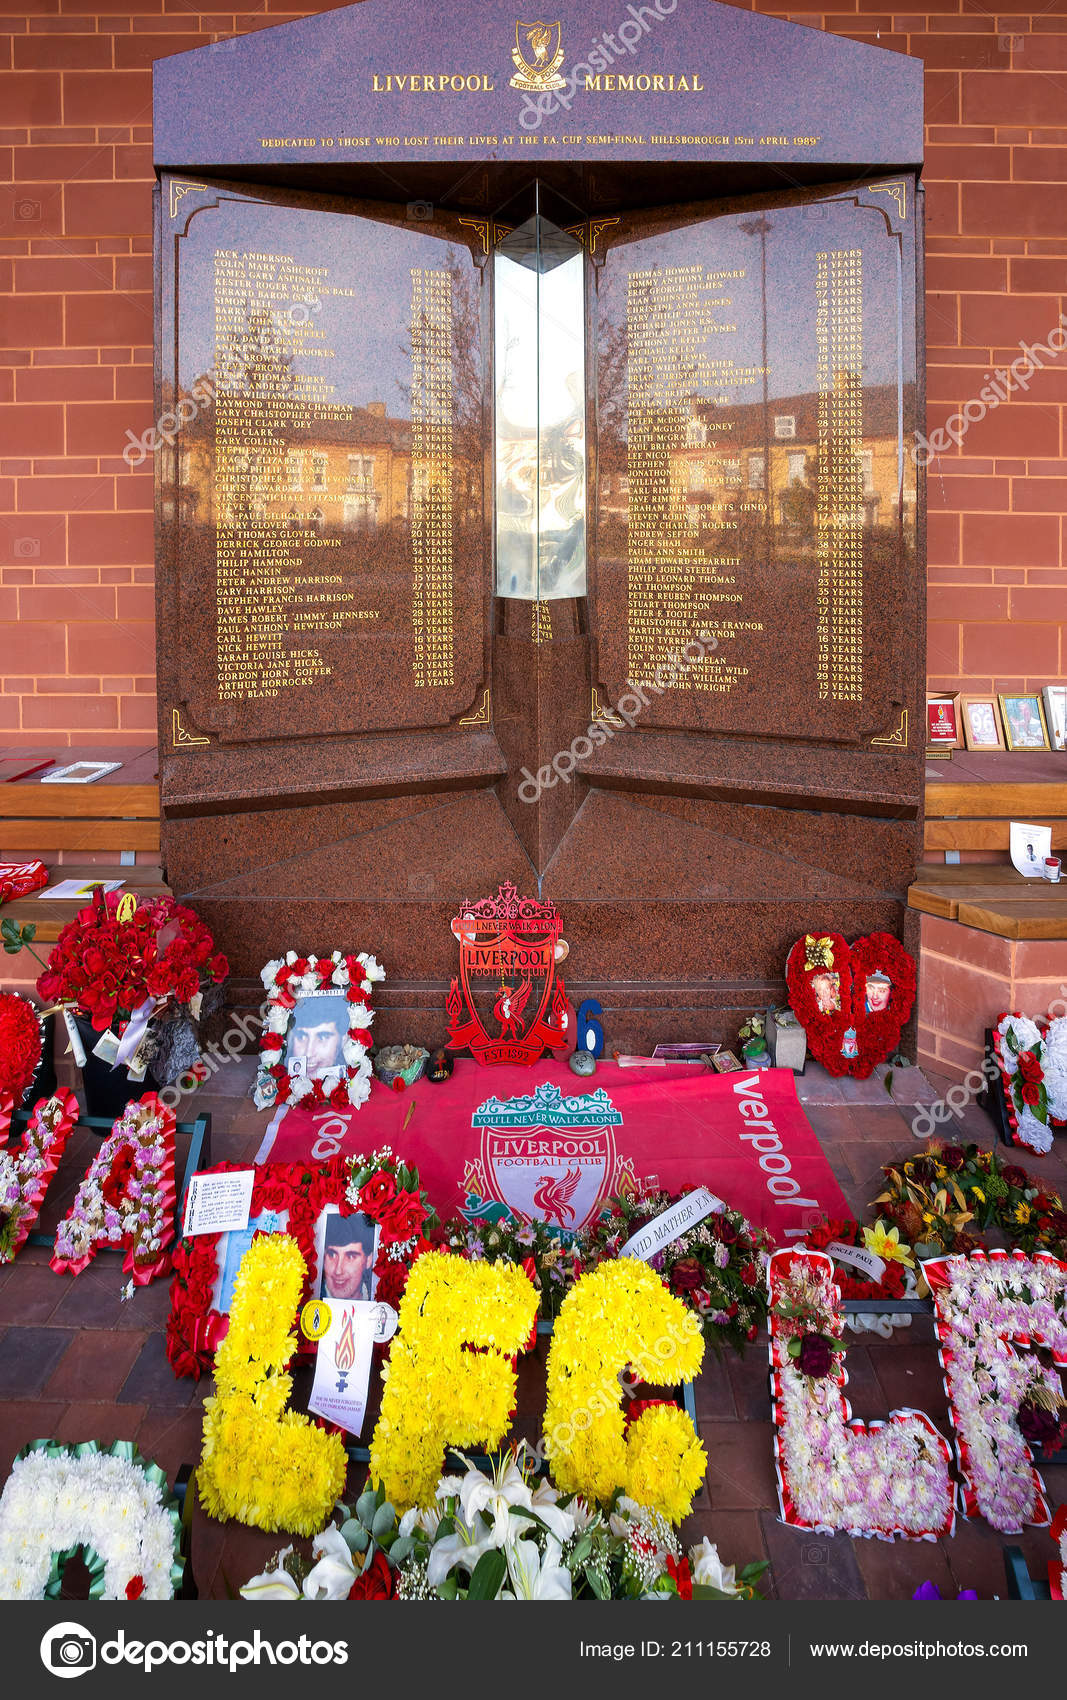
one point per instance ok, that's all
(604, 712)
(589, 233)
(181, 737)
(899, 192)
(177, 190)
(489, 233)
(899, 737)
(482, 715)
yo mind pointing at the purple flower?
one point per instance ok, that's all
(816, 1358)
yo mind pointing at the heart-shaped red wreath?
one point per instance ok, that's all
(852, 1001)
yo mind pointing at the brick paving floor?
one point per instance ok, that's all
(78, 1363)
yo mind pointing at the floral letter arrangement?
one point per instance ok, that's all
(113, 1504)
(1032, 1056)
(852, 1001)
(381, 1187)
(126, 1200)
(985, 1308)
(262, 1463)
(1057, 1569)
(345, 1081)
(619, 1317)
(876, 1479)
(25, 1174)
(451, 1375)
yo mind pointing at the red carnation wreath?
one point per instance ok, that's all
(380, 1187)
(21, 1046)
(827, 982)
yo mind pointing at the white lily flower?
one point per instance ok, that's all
(458, 1549)
(708, 1569)
(558, 1519)
(534, 1577)
(272, 1584)
(495, 1496)
(333, 1576)
(417, 1518)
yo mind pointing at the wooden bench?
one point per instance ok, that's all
(993, 898)
(971, 802)
(113, 814)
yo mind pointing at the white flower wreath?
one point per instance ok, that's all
(274, 1084)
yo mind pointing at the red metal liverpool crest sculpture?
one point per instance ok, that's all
(511, 944)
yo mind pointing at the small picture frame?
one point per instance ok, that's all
(1054, 698)
(980, 720)
(315, 1044)
(316, 1034)
(345, 1251)
(943, 723)
(1024, 722)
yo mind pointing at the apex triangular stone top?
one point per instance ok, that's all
(397, 80)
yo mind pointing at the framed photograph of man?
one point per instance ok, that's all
(1055, 701)
(943, 723)
(1024, 722)
(315, 1044)
(980, 719)
(346, 1248)
(316, 1034)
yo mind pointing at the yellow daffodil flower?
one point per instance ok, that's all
(885, 1243)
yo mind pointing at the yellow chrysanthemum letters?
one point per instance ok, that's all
(451, 1381)
(621, 1316)
(262, 1463)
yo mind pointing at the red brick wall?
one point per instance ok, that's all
(75, 175)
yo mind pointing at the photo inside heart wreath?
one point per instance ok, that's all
(851, 1000)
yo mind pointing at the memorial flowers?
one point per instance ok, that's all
(21, 1046)
(884, 1243)
(293, 1197)
(127, 1199)
(945, 1198)
(1032, 1057)
(388, 1191)
(262, 1463)
(25, 1173)
(111, 1503)
(986, 1309)
(315, 1046)
(501, 1535)
(718, 1268)
(119, 955)
(875, 1479)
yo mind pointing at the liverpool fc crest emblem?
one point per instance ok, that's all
(538, 55)
(546, 1157)
(508, 950)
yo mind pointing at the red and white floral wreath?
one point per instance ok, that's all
(286, 981)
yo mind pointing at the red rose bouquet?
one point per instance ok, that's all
(116, 956)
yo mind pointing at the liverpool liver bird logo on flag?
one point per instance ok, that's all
(551, 1196)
